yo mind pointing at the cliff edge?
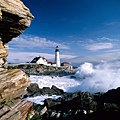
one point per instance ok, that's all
(15, 17)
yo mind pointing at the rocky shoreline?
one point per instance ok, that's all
(70, 106)
(39, 69)
(76, 106)
(15, 17)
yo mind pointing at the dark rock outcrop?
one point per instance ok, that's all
(34, 90)
(81, 106)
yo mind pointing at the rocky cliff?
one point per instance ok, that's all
(15, 17)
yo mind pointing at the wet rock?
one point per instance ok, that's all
(72, 77)
(81, 105)
(39, 69)
(111, 107)
(33, 88)
(112, 96)
(57, 90)
(47, 90)
(50, 103)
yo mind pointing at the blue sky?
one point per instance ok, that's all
(88, 30)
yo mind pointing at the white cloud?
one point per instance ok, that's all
(106, 38)
(35, 41)
(113, 51)
(112, 23)
(99, 46)
(97, 58)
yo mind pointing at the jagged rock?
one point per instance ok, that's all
(111, 107)
(12, 90)
(38, 108)
(47, 90)
(14, 19)
(70, 96)
(112, 96)
(109, 101)
(82, 105)
(33, 88)
(73, 77)
(19, 112)
(3, 55)
(50, 103)
(70, 106)
(36, 69)
(57, 90)
(11, 82)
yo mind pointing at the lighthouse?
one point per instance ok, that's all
(57, 57)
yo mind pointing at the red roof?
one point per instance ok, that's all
(51, 63)
(66, 63)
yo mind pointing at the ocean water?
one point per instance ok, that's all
(88, 77)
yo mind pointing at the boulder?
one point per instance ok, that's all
(47, 90)
(81, 105)
(112, 96)
(33, 88)
(50, 103)
(57, 90)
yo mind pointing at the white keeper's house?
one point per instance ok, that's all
(44, 61)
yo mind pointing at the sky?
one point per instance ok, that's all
(84, 30)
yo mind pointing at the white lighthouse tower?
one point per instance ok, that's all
(57, 57)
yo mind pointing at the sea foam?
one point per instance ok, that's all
(89, 77)
(99, 78)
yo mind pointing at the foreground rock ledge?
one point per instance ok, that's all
(15, 17)
(77, 105)
(12, 90)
